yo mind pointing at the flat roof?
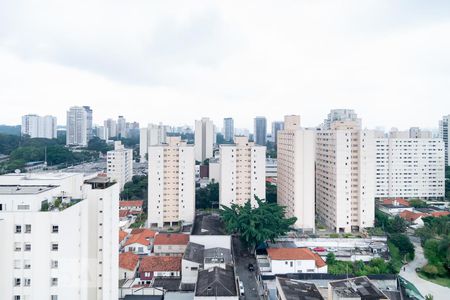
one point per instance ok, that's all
(41, 175)
(357, 287)
(298, 290)
(25, 189)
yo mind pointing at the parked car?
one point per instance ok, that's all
(251, 268)
(241, 288)
(320, 249)
(332, 249)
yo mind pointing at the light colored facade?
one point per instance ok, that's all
(39, 127)
(345, 176)
(214, 170)
(228, 129)
(204, 139)
(111, 128)
(443, 134)
(171, 180)
(69, 252)
(242, 172)
(271, 168)
(410, 167)
(89, 123)
(150, 136)
(260, 131)
(121, 127)
(77, 126)
(276, 126)
(295, 172)
(120, 164)
(340, 115)
(295, 260)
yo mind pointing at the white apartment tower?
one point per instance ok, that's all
(228, 129)
(77, 126)
(121, 127)
(340, 115)
(242, 172)
(69, 251)
(409, 166)
(204, 139)
(295, 179)
(171, 183)
(443, 134)
(39, 127)
(149, 136)
(345, 176)
(120, 164)
(111, 128)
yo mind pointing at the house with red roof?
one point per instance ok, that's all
(140, 242)
(122, 237)
(295, 260)
(128, 265)
(134, 206)
(415, 218)
(394, 206)
(170, 244)
(159, 267)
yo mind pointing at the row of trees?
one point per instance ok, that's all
(359, 268)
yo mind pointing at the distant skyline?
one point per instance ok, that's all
(177, 62)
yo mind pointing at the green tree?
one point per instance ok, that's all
(404, 245)
(207, 197)
(255, 225)
(136, 189)
(271, 193)
(397, 225)
(331, 258)
(97, 144)
(417, 203)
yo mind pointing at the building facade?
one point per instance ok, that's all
(345, 176)
(242, 172)
(78, 126)
(443, 134)
(295, 172)
(39, 127)
(149, 136)
(228, 129)
(171, 183)
(340, 115)
(204, 139)
(276, 126)
(120, 164)
(260, 131)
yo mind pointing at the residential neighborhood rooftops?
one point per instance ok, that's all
(358, 287)
(128, 260)
(194, 252)
(171, 239)
(395, 202)
(122, 235)
(217, 255)
(298, 290)
(131, 203)
(142, 237)
(160, 264)
(216, 282)
(411, 216)
(295, 254)
(123, 213)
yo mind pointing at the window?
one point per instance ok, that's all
(26, 282)
(27, 247)
(27, 264)
(18, 229)
(55, 229)
(16, 281)
(54, 264)
(16, 297)
(28, 228)
(54, 297)
(17, 247)
(54, 246)
(54, 282)
(17, 264)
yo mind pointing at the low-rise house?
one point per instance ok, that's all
(295, 260)
(128, 265)
(191, 262)
(140, 242)
(122, 238)
(395, 206)
(159, 267)
(415, 218)
(354, 288)
(170, 244)
(288, 289)
(216, 257)
(216, 283)
(134, 206)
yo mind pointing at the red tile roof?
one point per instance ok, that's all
(123, 213)
(440, 213)
(130, 203)
(160, 263)
(411, 216)
(172, 239)
(122, 235)
(400, 201)
(128, 260)
(295, 254)
(142, 237)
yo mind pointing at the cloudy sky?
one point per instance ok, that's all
(175, 61)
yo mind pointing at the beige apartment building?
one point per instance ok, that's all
(171, 183)
(345, 176)
(295, 182)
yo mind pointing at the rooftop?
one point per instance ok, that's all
(142, 237)
(217, 255)
(133, 203)
(295, 254)
(194, 252)
(128, 260)
(122, 235)
(160, 264)
(171, 239)
(216, 282)
(360, 287)
(298, 290)
(25, 189)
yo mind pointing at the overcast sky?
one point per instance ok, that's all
(176, 61)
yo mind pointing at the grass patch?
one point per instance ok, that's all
(443, 281)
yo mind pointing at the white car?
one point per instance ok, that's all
(241, 288)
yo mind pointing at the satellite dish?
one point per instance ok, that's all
(17, 171)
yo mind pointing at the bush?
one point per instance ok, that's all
(430, 270)
(403, 244)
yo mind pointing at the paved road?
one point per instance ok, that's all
(425, 287)
(242, 258)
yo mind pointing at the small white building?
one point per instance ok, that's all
(128, 265)
(170, 244)
(140, 243)
(295, 260)
(120, 164)
(216, 284)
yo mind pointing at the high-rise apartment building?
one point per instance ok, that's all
(89, 123)
(39, 127)
(204, 139)
(149, 136)
(171, 183)
(276, 126)
(228, 129)
(345, 176)
(443, 134)
(340, 115)
(409, 166)
(260, 131)
(295, 168)
(120, 164)
(111, 128)
(78, 126)
(242, 172)
(121, 127)
(59, 237)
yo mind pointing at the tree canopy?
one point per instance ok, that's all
(207, 197)
(255, 225)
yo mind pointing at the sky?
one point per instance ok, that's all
(177, 61)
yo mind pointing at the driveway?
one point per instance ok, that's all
(425, 287)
